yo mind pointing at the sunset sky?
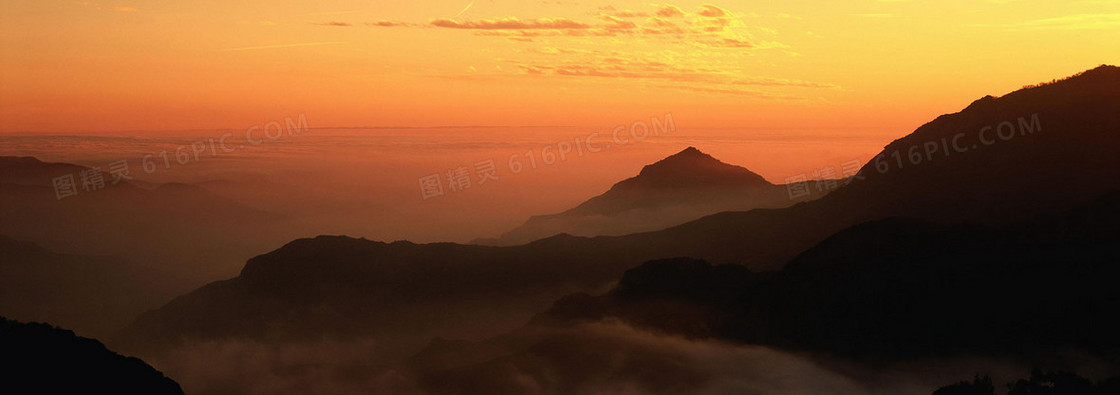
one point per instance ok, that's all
(71, 66)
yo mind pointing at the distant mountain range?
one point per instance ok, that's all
(95, 260)
(116, 217)
(94, 295)
(998, 163)
(680, 188)
(26, 170)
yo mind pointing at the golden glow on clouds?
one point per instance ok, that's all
(153, 65)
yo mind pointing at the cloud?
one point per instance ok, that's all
(670, 11)
(511, 23)
(1068, 22)
(616, 23)
(712, 11)
(732, 43)
(617, 359)
(606, 66)
(736, 92)
(329, 13)
(590, 358)
(700, 48)
(464, 10)
(308, 44)
(877, 15)
(611, 25)
(332, 23)
(533, 70)
(125, 9)
(711, 80)
(390, 24)
(628, 14)
(711, 20)
(784, 82)
(662, 26)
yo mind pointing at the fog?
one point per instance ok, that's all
(597, 358)
(364, 182)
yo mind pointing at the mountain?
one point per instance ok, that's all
(682, 187)
(1064, 159)
(896, 289)
(169, 222)
(361, 288)
(340, 286)
(882, 296)
(94, 295)
(26, 170)
(93, 261)
(39, 358)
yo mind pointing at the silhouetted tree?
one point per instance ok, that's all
(1040, 383)
(1052, 383)
(978, 386)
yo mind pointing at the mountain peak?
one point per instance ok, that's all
(693, 166)
(688, 159)
(679, 188)
(1104, 69)
(690, 151)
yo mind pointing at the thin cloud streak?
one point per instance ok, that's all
(464, 9)
(285, 45)
(511, 23)
(1068, 22)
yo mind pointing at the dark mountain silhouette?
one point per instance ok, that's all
(343, 286)
(1069, 161)
(94, 295)
(682, 187)
(894, 289)
(357, 287)
(42, 359)
(881, 293)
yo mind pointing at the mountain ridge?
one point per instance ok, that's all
(1067, 163)
(676, 189)
(47, 359)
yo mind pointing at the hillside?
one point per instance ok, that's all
(39, 358)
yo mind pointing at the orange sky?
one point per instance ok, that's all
(166, 65)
